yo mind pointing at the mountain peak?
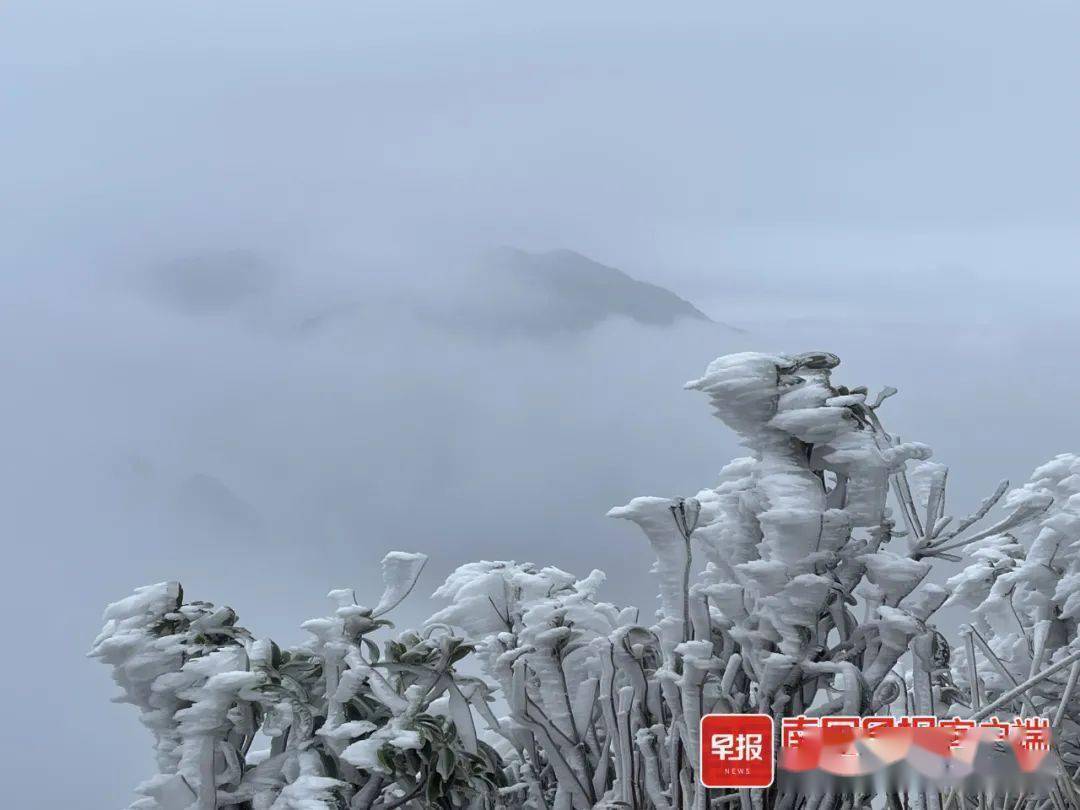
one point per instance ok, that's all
(564, 290)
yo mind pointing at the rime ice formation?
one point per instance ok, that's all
(1024, 590)
(788, 588)
(349, 724)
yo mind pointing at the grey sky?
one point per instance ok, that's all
(899, 185)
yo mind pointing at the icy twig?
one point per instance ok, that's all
(1022, 514)
(1066, 695)
(1021, 689)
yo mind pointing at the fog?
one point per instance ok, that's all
(237, 242)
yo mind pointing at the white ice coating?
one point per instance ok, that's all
(760, 578)
(654, 517)
(205, 688)
(782, 529)
(308, 792)
(756, 594)
(1024, 587)
(364, 753)
(400, 570)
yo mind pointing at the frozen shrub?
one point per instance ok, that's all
(347, 724)
(799, 584)
(1023, 587)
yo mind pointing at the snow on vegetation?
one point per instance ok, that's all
(799, 584)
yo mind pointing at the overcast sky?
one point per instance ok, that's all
(897, 183)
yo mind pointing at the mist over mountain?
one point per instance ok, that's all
(559, 291)
(209, 502)
(500, 293)
(515, 293)
(331, 322)
(213, 281)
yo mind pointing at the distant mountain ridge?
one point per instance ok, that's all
(505, 292)
(579, 292)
